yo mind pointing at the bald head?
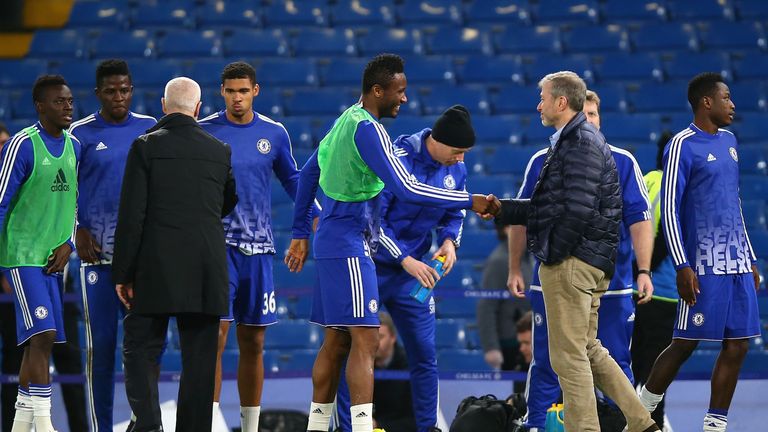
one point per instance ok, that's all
(182, 95)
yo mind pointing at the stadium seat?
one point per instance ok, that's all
(612, 97)
(299, 360)
(16, 125)
(539, 66)
(749, 127)
(499, 185)
(536, 134)
(636, 10)
(122, 44)
(515, 100)
(752, 9)
(211, 102)
(751, 66)
(377, 40)
(439, 98)
(664, 37)
(645, 156)
(78, 73)
(50, 44)
(323, 42)
(696, 9)
(301, 307)
(86, 102)
(752, 160)
(456, 307)
(163, 15)
(462, 360)
(407, 125)
(496, 70)
(476, 246)
(184, 43)
(5, 106)
(449, 333)
(429, 12)
(269, 102)
(300, 131)
(343, 71)
(496, 130)
(222, 14)
(304, 13)
(740, 35)
(458, 41)
(463, 276)
(685, 66)
(497, 11)
(259, 43)
(317, 102)
(518, 39)
(22, 105)
(304, 279)
(293, 334)
(630, 128)
(154, 74)
(429, 70)
(675, 122)
(207, 71)
(97, 14)
(506, 160)
(748, 96)
(667, 97)
(362, 13)
(21, 74)
(602, 38)
(753, 187)
(281, 72)
(754, 214)
(759, 240)
(622, 67)
(572, 11)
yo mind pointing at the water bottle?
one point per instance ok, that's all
(419, 291)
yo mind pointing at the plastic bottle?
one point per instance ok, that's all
(419, 291)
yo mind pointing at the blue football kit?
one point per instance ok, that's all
(704, 229)
(259, 148)
(105, 148)
(617, 311)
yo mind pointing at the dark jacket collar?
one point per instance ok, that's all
(575, 122)
(173, 120)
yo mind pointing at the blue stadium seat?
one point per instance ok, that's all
(211, 101)
(645, 156)
(518, 39)
(502, 11)
(362, 13)
(78, 73)
(667, 97)
(153, 74)
(221, 14)
(301, 307)
(549, 11)
(429, 12)
(741, 35)
(163, 15)
(462, 360)
(455, 307)
(22, 105)
(536, 134)
(294, 334)
(759, 239)
(696, 10)
(86, 102)
(407, 125)
(299, 360)
(94, 14)
(64, 44)
(603, 38)
(439, 98)
(612, 97)
(701, 361)
(269, 102)
(754, 213)
(753, 187)
(323, 42)
(280, 72)
(170, 361)
(300, 131)
(621, 67)
(678, 121)
(429, 70)
(499, 185)
(449, 333)
(182, 43)
(5, 105)
(123, 44)
(751, 66)
(207, 72)
(685, 66)
(542, 65)
(259, 43)
(507, 160)
(458, 41)
(152, 99)
(17, 125)
(752, 9)
(286, 279)
(748, 96)
(664, 37)
(463, 276)
(501, 70)
(750, 127)
(21, 74)
(515, 99)
(496, 130)
(631, 128)
(343, 71)
(476, 245)
(752, 160)
(317, 102)
(304, 13)
(636, 10)
(393, 40)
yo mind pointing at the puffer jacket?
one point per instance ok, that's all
(575, 209)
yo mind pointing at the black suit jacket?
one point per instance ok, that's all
(169, 239)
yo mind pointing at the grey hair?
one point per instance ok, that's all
(182, 94)
(568, 84)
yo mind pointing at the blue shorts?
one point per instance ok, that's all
(346, 293)
(251, 288)
(726, 308)
(37, 298)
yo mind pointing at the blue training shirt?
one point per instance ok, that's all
(406, 228)
(105, 148)
(18, 161)
(635, 208)
(700, 206)
(258, 148)
(351, 229)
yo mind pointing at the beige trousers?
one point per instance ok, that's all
(572, 291)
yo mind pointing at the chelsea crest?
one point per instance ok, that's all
(264, 146)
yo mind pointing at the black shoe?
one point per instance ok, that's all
(131, 426)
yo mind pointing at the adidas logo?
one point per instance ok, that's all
(317, 411)
(361, 415)
(46, 161)
(101, 146)
(711, 158)
(60, 182)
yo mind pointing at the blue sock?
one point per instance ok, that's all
(719, 412)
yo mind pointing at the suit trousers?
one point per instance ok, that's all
(143, 344)
(572, 291)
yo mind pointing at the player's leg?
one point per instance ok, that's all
(67, 358)
(250, 374)
(233, 262)
(362, 353)
(415, 324)
(326, 372)
(10, 356)
(101, 312)
(542, 388)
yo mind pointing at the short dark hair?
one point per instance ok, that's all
(381, 70)
(109, 68)
(525, 323)
(703, 84)
(237, 70)
(45, 82)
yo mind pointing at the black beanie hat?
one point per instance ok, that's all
(454, 128)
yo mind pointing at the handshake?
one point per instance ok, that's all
(486, 206)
